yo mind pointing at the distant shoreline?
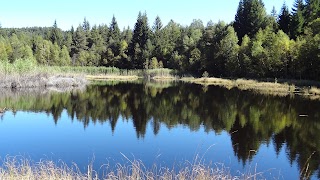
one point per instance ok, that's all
(304, 88)
(310, 89)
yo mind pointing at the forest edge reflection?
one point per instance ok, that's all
(250, 119)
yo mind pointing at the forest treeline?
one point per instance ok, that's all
(256, 44)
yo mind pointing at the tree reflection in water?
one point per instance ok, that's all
(250, 119)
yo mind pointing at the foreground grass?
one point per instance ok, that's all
(20, 168)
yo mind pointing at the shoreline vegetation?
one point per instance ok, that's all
(305, 88)
(22, 168)
(27, 74)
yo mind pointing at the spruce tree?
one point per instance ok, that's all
(312, 10)
(86, 25)
(139, 41)
(114, 30)
(56, 34)
(284, 19)
(157, 38)
(298, 20)
(251, 16)
(79, 43)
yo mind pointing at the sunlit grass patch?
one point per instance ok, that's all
(18, 168)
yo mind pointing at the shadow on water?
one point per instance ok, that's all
(249, 118)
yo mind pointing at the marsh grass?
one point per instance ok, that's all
(271, 88)
(28, 69)
(20, 168)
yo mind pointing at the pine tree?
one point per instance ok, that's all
(298, 20)
(284, 19)
(56, 34)
(114, 31)
(272, 20)
(157, 38)
(79, 43)
(251, 16)
(157, 25)
(126, 34)
(97, 41)
(312, 10)
(139, 41)
(86, 25)
(274, 12)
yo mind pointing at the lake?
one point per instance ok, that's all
(168, 124)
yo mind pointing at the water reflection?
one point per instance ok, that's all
(250, 119)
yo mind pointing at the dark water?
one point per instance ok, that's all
(165, 124)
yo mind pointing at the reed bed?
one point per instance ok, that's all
(26, 73)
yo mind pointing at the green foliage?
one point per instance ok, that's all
(153, 63)
(298, 19)
(19, 67)
(253, 46)
(138, 48)
(312, 10)
(284, 19)
(56, 35)
(251, 16)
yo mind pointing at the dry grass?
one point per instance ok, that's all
(20, 168)
(112, 77)
(164, 78)
(281, 89)
(41, 80)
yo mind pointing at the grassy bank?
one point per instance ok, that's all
(281, 88)
(20, 168)
(26, 73)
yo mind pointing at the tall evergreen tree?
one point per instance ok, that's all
(86, 25)
(157, 25)
(312, 10)
(139, 41)
(114, 30)
(284, 19)
(274, 12)
(157, 38)
(56, 34)
(127, 34)
(79, 43)
(298, 19)
(251, 16)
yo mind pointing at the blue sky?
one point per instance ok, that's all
(29, 13)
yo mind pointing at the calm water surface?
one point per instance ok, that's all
(165, 124)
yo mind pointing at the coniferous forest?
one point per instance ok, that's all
(257, 44)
